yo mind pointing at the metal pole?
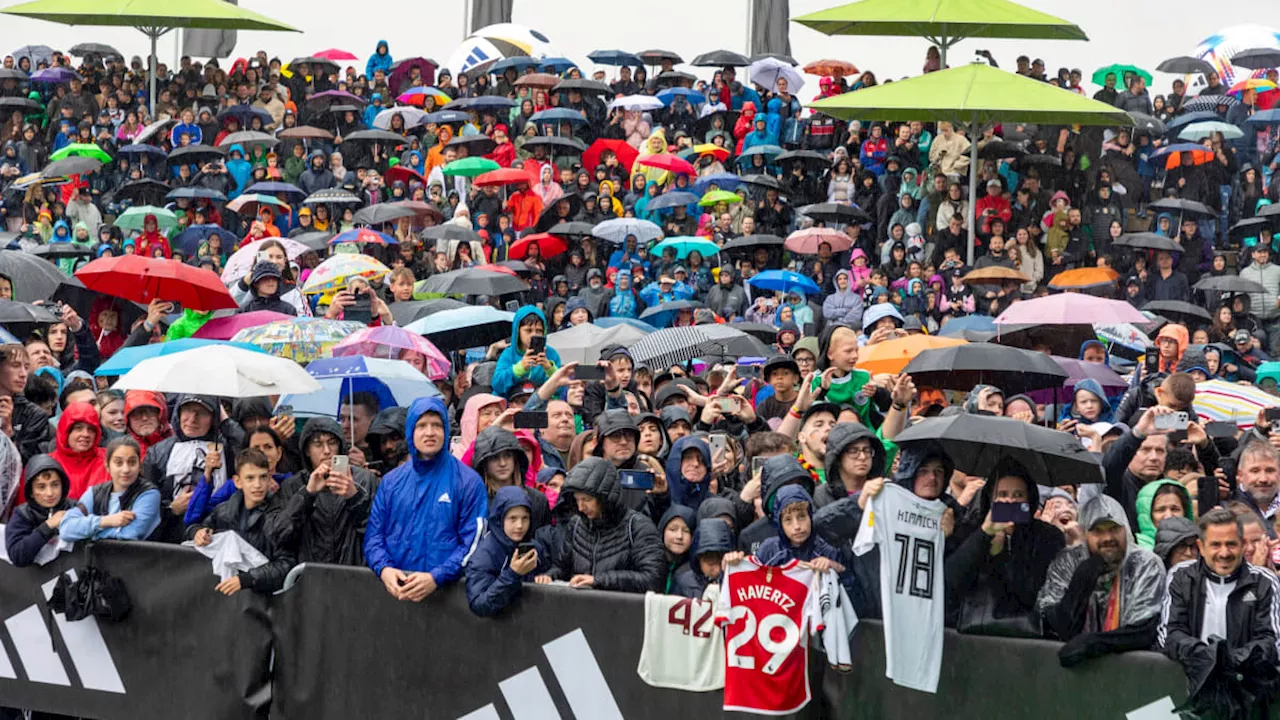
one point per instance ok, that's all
(155, 62)
(973, 185)
(751, 6)
(466, 18)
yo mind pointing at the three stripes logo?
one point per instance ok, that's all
(33, 644)
(580, 678)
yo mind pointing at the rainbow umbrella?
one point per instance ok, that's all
(1232, 402)
(300, 339)
(417, 96)
(1260, 84)
(334, 273)
(387, 342)
(251, 202)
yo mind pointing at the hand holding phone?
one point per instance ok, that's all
(340, 464)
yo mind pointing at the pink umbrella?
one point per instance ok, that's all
(1070, 309)
(224, 328)
(806, 242)
(335, 54)
(242, 261)
(387, 341)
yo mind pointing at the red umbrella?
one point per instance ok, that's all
(626, 154)
(497, 268)
(143, 279)
(668, 162)
(404, 174)
(505, 176)
(549, 244)
(335, 54)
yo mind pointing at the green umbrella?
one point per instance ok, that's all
(470, 167)
(1100, 75)
(153, 17)
(82, 150)
(716, 196)
(942, 22)
(133, 218)
(977, 94)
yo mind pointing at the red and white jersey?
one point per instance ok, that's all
(767, 614)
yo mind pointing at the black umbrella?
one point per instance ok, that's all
(763, 181)
(1185, 65)
(1013, 370)
(551, 216)
(315, 63)
(475, 144)
(82, 299)
(1257, 58)
(1178, 310)
(1148, 241)
(32, 277)
(655, 57)
(1034, 159)
(835, 213)
(60, 250)
(317, 241)
(673, 78)
(1178, 205)
(9, 104)
(473, 281)
(381, 213)
(142, 192)
(450, 232)
(813, 158)
(776, 56)
(332, 195)
(720, 58)
(672, 199)
(15, 74)
(1062, 340)
(196, 154)
(589, 87)
(476, 334)
(663, 348)
(572, 229)
(22, 318)
(1269, 211)
(1251, 226)
(74, 165)
(410, 310)
(1229, 284)
(746, 245)
(760, 331)
(1146, 123)
(1000, 149)
(978, 444)
(557, 145)
(377, 136)
(91, 48)
(194, 192)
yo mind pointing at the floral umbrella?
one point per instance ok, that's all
(334, 273)
(387, 342)
(301, 340)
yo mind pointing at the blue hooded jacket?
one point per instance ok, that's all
(61, 232)
(1091, 386)
(428, 514)
(378, 61)
(683, 490)
(491, 583)
(712, 536)
(778, 550)
(505, 375)
(239, 169)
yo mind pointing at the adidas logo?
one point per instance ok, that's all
(580, 678)
(444, 498)
(1249, 597)
(37, 653)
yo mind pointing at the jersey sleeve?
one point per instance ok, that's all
(866, 537)
(813, 605)
(722, 601)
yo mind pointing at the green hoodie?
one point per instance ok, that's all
(1146, 496)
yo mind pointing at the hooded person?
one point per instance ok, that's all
(78, 448)
(596, 294)
(146, 431)
(490, 406)
(313, 520)
(1169, 358)
(1094, 350)
(105, 326)
(492, 444)
(428, 514)
(677, 540)
(265, 287)
(379, 60)
(840, 483)
(778, 472)
(497, 569)
(606, 546)
(1157, 501)
(240, 170)
(517, 362)
(387, 446)
(712, 539)
(1175, 539)
(844, 306)
(803, 543)
(1105, 594)
(317, 175)
(685, 489)
(34, 523)
(1090, 404)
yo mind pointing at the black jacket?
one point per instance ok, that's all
(251, 525)
(778, 471)
(841, 438)
(27, 532)
(493, 441)
(622, 549)
(31, 429)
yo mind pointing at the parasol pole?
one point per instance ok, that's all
(973, 185)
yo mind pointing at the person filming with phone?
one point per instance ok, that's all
(527, 358)
(507, 556)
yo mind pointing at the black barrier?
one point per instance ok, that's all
(184, 651)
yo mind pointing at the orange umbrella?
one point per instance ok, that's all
(830, 67)
(1085, 277)
(720, 153)
(892, 356)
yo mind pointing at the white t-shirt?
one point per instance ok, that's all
(683, 646)
(908, 530)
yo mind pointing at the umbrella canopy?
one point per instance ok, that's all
(617, 58)
(806, 242)
(82, 150)
(668, 162)
(305, 132)
(336, 271)
(671, 199)
(1179, 310)
(336, 55)
(596, 153)
(332, 195)
(465, 327)
(582, 343)
(145, 190)
(892, 356)
(223, 370)
(409, 311)
(388, 342)
(126, 358)
(470, 167)
(661, 349)
(1186, 65)
(1069, 309)
(249, 137)
(473, 281)
(1084, 278)
(544, 81)
(1224, 401)
(1257, 58)
(505, 176)
(299, 339)
(31, 277)
(767, 72)
(316, 241)
(242, 261)
(70, 166)
(835, 212)
(381, 213)
(225, 328)
(572, 229)
(746, 245)
(1202, 130)
(143, 279)
(1062, 340)
(1229, 284)
(961, 367)
(720, 58)
(995, 274)
(1078, 370)
(783, 281)
(252, 203)
(548, 245)
(638, 103)
(1179, 205)
(135, 217)
(395, 383)
(1121, 71)
(684, 245)
(22, 318)
(978, 444)
(617, 230)
(1148, 241)
(718, 181)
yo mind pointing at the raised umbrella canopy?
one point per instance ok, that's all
(962, 367)
(720, 58)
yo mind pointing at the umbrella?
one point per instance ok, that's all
(193, 192)
(663, 348)
(54, 75)
(1260, 84)
(555, 116)
(314, 241)
(1222, 401)
(892, 356)
(551, 215)
(321, 66)
(656, 57)
(395, 383)
(1084, 278)
(464, 327)
(376, 136)
(249, 137)
(408, 311)
(760, 331)
(685, 245)
(336, 55)
(995, 274)
(363, 236)
(225, 328)
(1228, 284)
(763, 181)
(88, 150)
(134, 217)
(470, 167)
(831, 67)
(1209, 103)
(332, 195)
(783, 281)
(484, 102)
(143, 190)
(519, 64)
(473, 281)
(31, 277)
(388, 341)
(582, 343)
(661, 316)
(705, 123)
(978, 444)
(1257, 58)
(252, 203)
(1099, 76)
(673, 198)
(961, 367)
(544, 81)
(143, 279)
(60, 250)
(1146, 123)
(1060, 339)
(767, 72)
(557, 145)
(768, 151)
(719, 196)
(812, 158)
(549, 245)
(70, 166)
(638, 103)
(1123, 339)
(746, 245)
(305, 132)
(1185, 65)
(90, 48)
(969, 326)
(196, 154)
(245, 113)
(835, 213)
(1201, 130)
(616, 58)
(275, 187)
(381, 213)
(336, 271)
(417, 96)
(1078, 370)
(1069, 309)
(719, 181)
(400, 70)
(1178, 310)
(589, 87)
(617, 230)
(21, 104)
(558, 65)
(807, 242)
(1000, 149)
(37, 54)
(22, 318)
(572, 229)
(189, 240)
(127, 358)
(1182, 206)
(299, 339)
(326, 100)
(475, 144)
(448, 117)
(720, 58)
(668, 79)
(223, 370)
(1148, 241)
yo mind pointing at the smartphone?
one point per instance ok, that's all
(749, 371)
(340, 464)
(588, 372)
(361, 310)
(757, 466)
(1171, 421)
(810, 329)
(1014, 512)
(538, 343)
(635, 479)
(1273, 415)
(525, 548)
(717, 442)
(727, 406)
(513, 305)
(284, 411)
(1152, 361)
(264, 257)
(536, 420)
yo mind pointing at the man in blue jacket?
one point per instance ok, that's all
(428, 514)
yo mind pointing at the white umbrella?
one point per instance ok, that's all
(220, 370)
(150, 131)
(637, 102)
(617, 230)
(765, 73)
(413, 117)
(1201, 130)
(582, 343)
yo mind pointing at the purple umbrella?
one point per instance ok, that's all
(1078, 370)
(54, 76)
(1069, 309)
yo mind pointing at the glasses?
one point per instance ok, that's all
(861, 452)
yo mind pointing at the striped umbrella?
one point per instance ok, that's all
(1231, 402)
(678, 345)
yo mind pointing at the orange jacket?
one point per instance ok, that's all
(525, 207)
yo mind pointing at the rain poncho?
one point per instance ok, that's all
(508, 374)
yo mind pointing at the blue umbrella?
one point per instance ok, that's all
(608, 322)
(487, 102)
(1265, 117)
(519, 63)
(663, 315)
(394, 382)
(969, 323)
(444, 117)
(272, 187)
(684, 245)
(141, 150)
(555, 116)
(190, 239)
(361, 235)
(673, 199)
(54, 76)
(669, 95)
(783, 281)
(557, 65)
(1189, 118)
(245, 113)
(724, 181)
(196, 193)
(125, 359)
(616, 58)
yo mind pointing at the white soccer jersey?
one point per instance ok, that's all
(908, 530)
(683, 646)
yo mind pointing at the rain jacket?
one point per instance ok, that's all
(135, 399)
(844, 308)
(507, 375)
(1093, 387)
(843, 436)
(321, 527)
(239, 169)
(622, 550)
(712, 536)
(1146, 498)
(674, 561)
(149, 241)
(689, 492)
(429, 513)
(1269, 277)
(313, 179)
(252, 526)
(779, 550)
(491, 583)
(1179, 335)
(26, 532)
(1074, 597)
(470, 420)
(379, 61)
(82, 469)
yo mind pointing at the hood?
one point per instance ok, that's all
(61, 230)
(1147, 497)
(971, 401)
(1004, 469)
(382, 45)
(778, 472)
(911, 458)
(877, 312)
(1179, 335)
(37, 465)
(208, 403)
(841, 438)
(1091, 343)
(244, 408)
(677, 511)
(598, 478)
(494, 441)
(1093, 387)
(714, 507)
(388, 421)
(1105, 507)
(789, 495)
(78, 413)
(712, 536)
(314, 427)
(1172, 532)
(420, 407)
(688, 491)
(612, 421)
(471, 416)
(521, 314)
(236, 148)
(503, 501)
(311, 156)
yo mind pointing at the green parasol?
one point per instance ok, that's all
(81, 150)
(470, 167)
(1100, 75)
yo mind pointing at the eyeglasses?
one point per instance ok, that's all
(861, 451)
